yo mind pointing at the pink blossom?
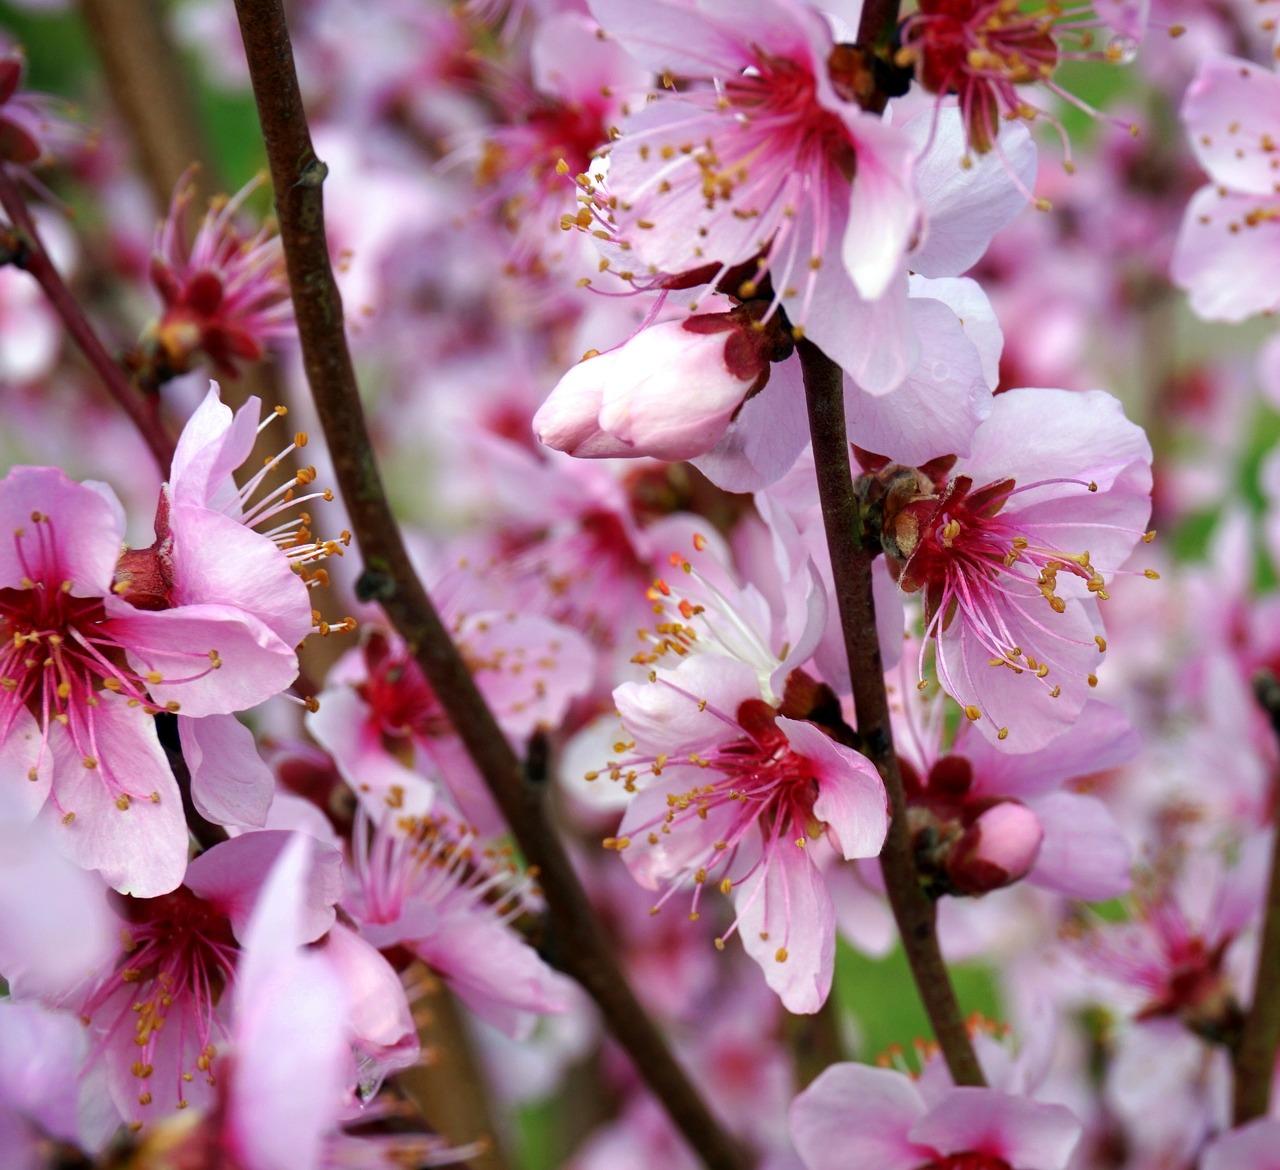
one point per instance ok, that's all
(1178, 957)
(75, 715)
(1229, 245)
(425, 884)
(854, 1116)
(983, 51)
(729, 791)
(1005, 556)
(158, 1011)
(771, 172)
(386, 727)
(224, 296)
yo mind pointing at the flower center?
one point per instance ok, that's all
(968, 1161)
(967, 558)
(399, 697)
(181, 954)
(59, 651)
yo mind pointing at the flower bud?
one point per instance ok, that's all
(669, 392)
(996, 850)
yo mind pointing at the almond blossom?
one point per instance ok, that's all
(158, 1012)
(83, 671)
(225, 295)
(770, 172)
(425, 883)
(1005, 550)
(729, 791)
(854, 1115)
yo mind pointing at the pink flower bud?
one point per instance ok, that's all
(996, 850)
(669, 392)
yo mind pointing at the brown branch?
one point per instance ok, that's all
(28, 252)
(1254, 1059)
(148, 87)
(389, 578)
(877, 21)
(914, 911)
(447, 1087)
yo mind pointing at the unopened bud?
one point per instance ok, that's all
(998, 849)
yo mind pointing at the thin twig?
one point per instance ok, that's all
(448, 1087)
(33, 257)
(1255, 1056)
(914, 911)
(149, 88)
(389, 578)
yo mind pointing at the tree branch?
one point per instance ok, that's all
(913, 910)
(144, 75)
(388, 577)
(28, 252)
(1255, 1056)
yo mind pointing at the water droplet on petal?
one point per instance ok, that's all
(1122, 49)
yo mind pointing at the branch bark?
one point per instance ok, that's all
(388, 578)
(148, 87)
(913, 910)
(1254, 1059)
(30, 254)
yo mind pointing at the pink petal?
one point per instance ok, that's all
(787, 922)
(764, 438)
(181, 646)
(1255, 1146)
(677, 713)
(23, 751)
(230, 785)
(55, 925)
(1084, 853)
(857, 1116)
(1022, 1132)
(1230, 111)
(1226, 254)
(82, 535)
(212, 445)
(883, 206)
(290, 1010)
(851, 798)
(937, 407)
(380, 1023)
(964, 207)
(217, 560)
(232, 874)
(142, 848)
(494, 972)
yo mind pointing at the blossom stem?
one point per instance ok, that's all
(449, 1091)
(877, 21)
(913, 910)
(577, 939)
(33, 257)
(1254, 1059)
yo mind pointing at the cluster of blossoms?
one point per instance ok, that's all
(600, 262)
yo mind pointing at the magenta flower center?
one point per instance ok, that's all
(968, 1161)
(781, 115)
(59, 652)
(756, 782)
(972, 560)
(400, 699)
(180, 955)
